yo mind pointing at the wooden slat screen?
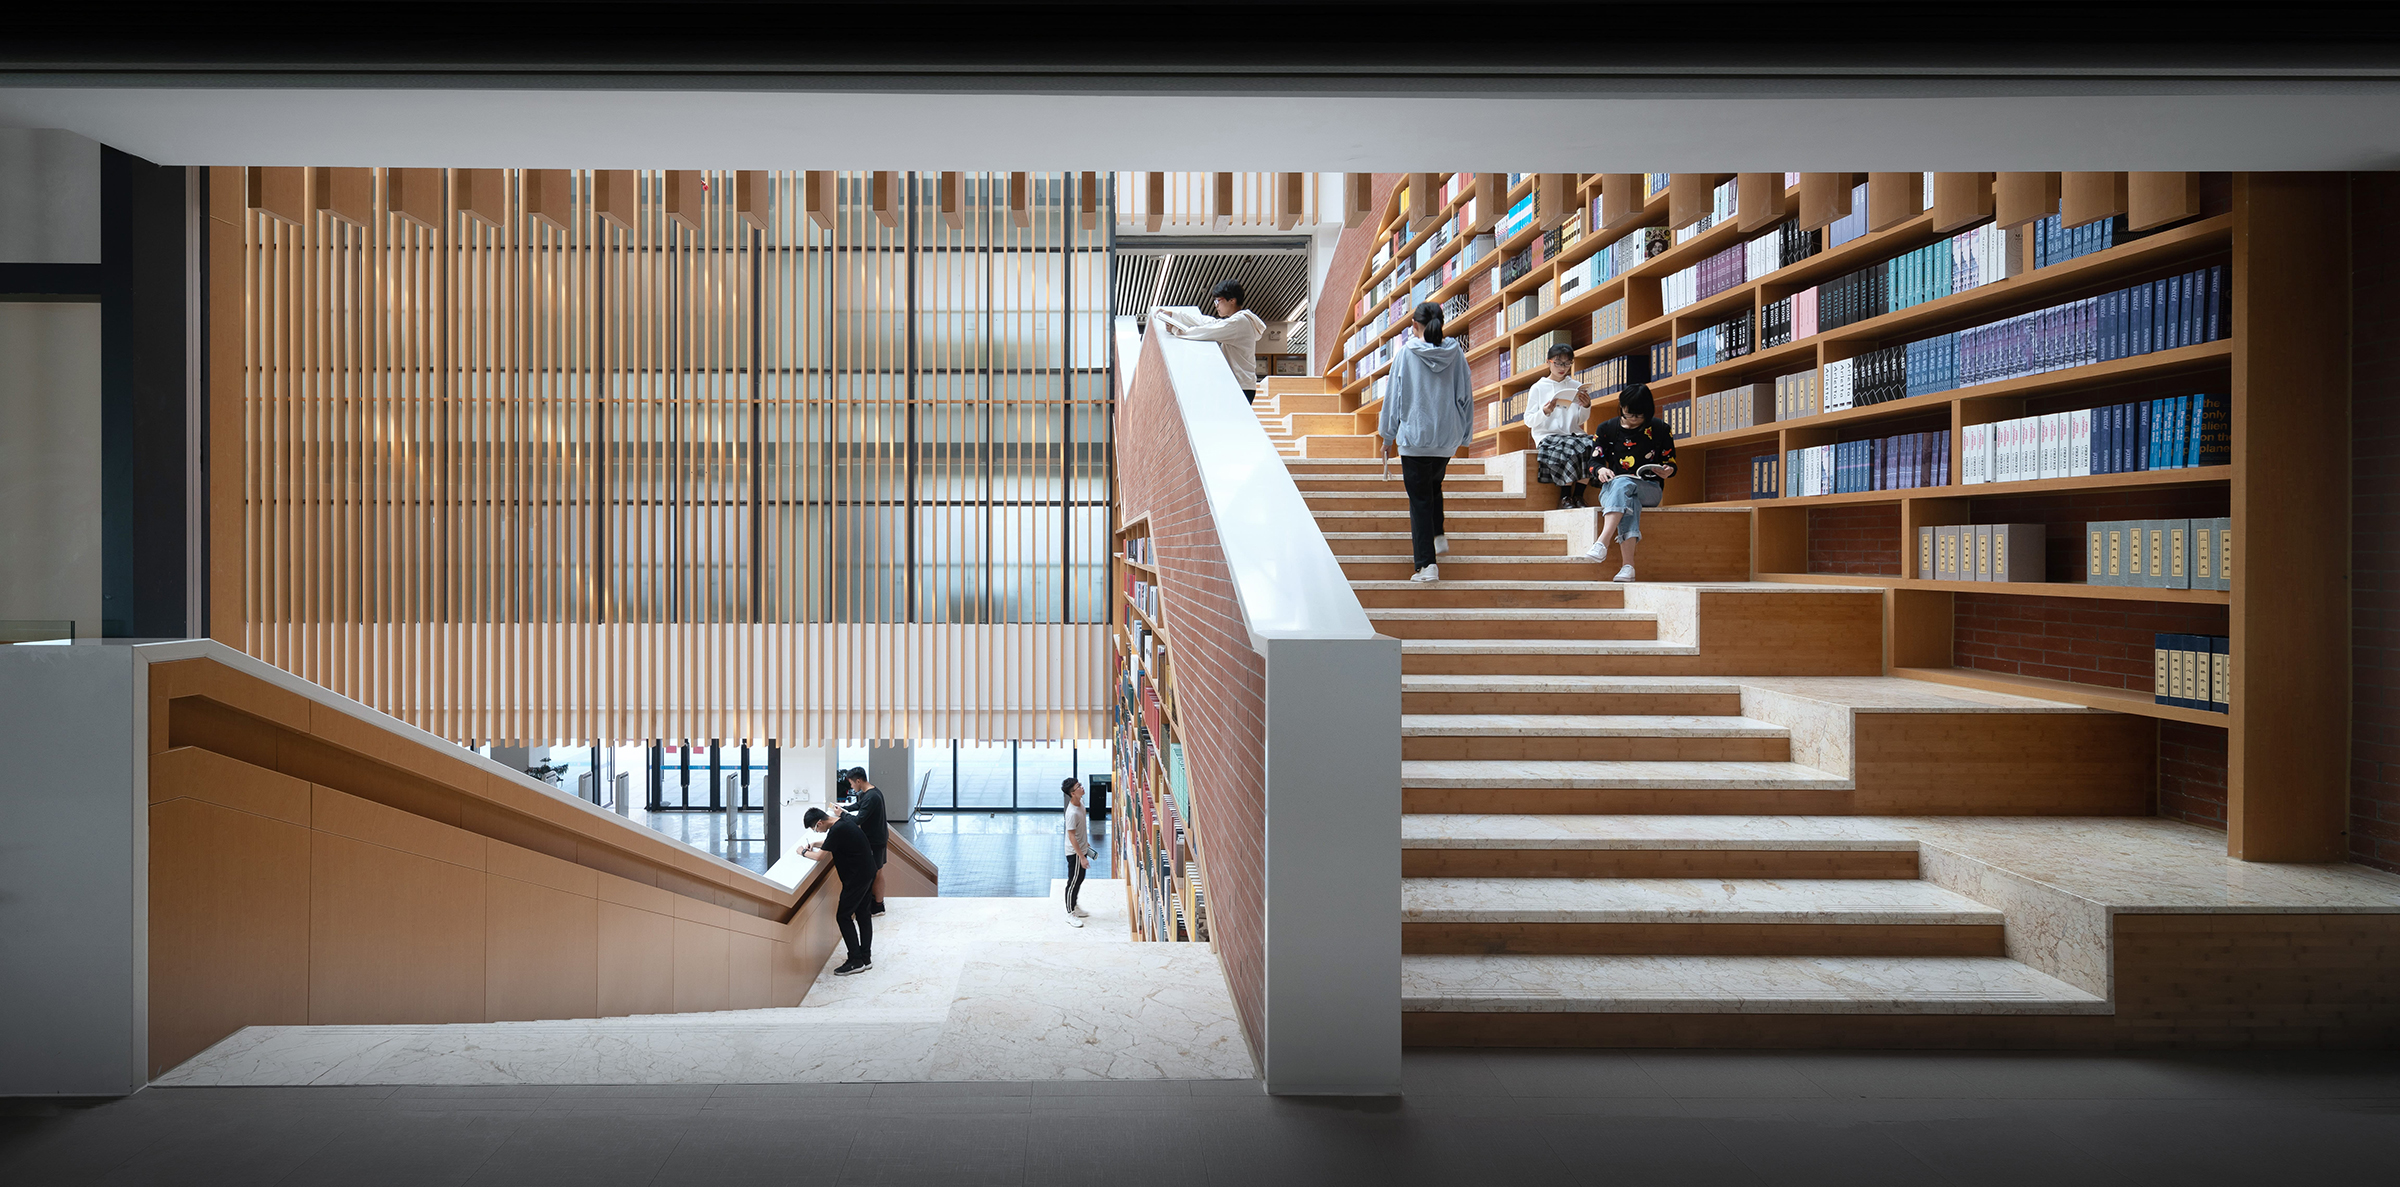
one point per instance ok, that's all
(1187, 201)
(532, 482)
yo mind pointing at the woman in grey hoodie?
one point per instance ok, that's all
(1428, 413)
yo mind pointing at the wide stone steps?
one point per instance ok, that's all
(1568, 695)
(1463, 544)
(1735, 984)
(1694, 917)
(1610, 787)
(1492, 595)
(1398, 566)
(1494, 737)
(1563, 625)
(1458, 521)
(1554, 846)
(1397, 500)
(1453, 483)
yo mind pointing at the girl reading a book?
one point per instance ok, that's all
(1632, 457)
(1555, 410)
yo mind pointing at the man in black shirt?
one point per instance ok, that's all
(866, 803)
(845, 845)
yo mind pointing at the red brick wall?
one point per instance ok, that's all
(1350, 255)
(2191, 773)
(2086, 640)
(1220, 682)
(2375, 520)
(1860, 539)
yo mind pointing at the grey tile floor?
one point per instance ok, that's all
(1519, 1118)
(1000, 854)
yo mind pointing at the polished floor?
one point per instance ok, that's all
(1000, 854)
(995, 989)
(1519, 1118)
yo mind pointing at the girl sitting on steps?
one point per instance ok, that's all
(1632, 457)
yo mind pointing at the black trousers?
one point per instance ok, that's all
(1075, 872)
(854, 913)
(1422, 478)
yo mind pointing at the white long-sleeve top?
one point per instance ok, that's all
(1564, 415)
(1237, 336)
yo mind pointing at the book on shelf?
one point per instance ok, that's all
(2192, 671)
(1907, 461)
(2174, 432)
(2161, 553)
(1766, 478)
(1678, 416)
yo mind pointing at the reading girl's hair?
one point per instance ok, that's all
(1231, 291)
(1429, 322)
(1562, 353)
(813, 815)
(1636, 399)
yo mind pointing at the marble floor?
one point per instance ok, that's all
(963, 989)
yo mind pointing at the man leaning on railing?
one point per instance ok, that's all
(1234, 329)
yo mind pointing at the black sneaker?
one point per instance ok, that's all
(854, 967)
(878, 909)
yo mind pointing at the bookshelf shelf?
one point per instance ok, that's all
(1157, 853)
(2121, 700)
(2281, 364)
(2032, 589)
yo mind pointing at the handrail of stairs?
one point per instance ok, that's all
(1291, 706)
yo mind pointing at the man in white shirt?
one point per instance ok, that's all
(1234, 329)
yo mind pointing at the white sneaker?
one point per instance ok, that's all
(1597, 552)
(1441, 544)
(1428, 573)
(1079, 913)
(1074, 922)
(1624, 574)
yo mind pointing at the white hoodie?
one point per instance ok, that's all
(1564, 415)
(1237, 336)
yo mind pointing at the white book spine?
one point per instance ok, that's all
(2079, 441)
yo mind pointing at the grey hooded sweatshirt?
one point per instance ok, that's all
(1428, 405)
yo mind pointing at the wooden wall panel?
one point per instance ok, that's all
(229, 926)
(526, 469)
(1960, 200)
(1824, 198)
(637, 961)
(703, 967)
(541, 953)
(1894, 198)
(1765, 200)
(393, 937)
(2021, 198)
(2155, 200)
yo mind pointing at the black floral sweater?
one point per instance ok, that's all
(1624, 450)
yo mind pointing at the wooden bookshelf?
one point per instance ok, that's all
(1157, 851)
(2283, 365)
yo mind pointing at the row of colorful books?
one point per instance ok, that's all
(1724, 206)
(1906, 461)
(2164, 434)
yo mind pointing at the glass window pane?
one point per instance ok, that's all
(984, 775)
(1040, 768)
(931, 761)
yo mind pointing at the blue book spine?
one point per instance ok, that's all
(2195, 292)
(2195, 416)
(2104, 451)
(2140, 445)
(2174, 312)
(2179, 433)
(2108, 327)
(2215, 432)
(2140, 327)
(2216, 303)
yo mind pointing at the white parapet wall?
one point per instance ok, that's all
(1332, 748)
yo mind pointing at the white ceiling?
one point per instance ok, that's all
(1599, 126)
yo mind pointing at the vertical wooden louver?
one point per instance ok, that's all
(770, 468)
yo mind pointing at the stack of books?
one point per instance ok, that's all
(1678, 417)
(1799, 395)
(1766, 476)
(1744, 407)
(2193, 672)
(1789, 320)
(1610, 376)
(1983, 552)
(2056, 243)
(1728, 339)
(1535, 355)
(2159, 553)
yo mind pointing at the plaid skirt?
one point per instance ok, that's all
(1563, 459)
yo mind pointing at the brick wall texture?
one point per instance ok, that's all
(2191, 773)
(1350, 254)
(2375, 519)
(2086, 640)
(1863, 539)
(1220, 683)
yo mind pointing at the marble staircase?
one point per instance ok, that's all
(1548, 714)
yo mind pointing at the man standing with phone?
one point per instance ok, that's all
(845, 845)
(866, 803)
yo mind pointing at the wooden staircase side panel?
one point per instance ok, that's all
(2004, 764)
(1703, 939)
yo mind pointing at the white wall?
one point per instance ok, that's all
(74, 888)
(50, 463)
(49, 197)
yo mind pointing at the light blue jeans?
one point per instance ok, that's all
(1626, 495)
